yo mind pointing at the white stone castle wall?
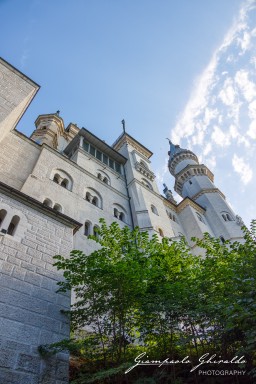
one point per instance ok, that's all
(29, 305)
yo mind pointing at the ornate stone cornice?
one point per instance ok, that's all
(188, 202)
(144, 170)
(190, 171)
(127, 139)
(208, 190)
(178, 157)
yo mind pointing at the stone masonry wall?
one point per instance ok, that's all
(29, 305)
(16, 92)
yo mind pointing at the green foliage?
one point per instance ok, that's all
(137, 294)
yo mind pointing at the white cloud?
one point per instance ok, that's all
(244, 42)
(242, 168)
(252, 110)
(207, 149)
(219, 137)
(252, 130)
(246, 86)
(227, 94)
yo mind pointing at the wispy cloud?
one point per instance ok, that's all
(242, 168)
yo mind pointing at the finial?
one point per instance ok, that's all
(58, 113)
(123, 123)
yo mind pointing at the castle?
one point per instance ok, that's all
(54, 188)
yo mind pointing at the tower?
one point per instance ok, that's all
(196, 182)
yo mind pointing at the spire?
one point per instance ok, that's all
(168, 194)
(174, 149)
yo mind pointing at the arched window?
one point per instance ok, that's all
(154, 210)
(116, 212)
(147, 184)
(62, 178)
(199, 217)
(87, 228)
(222, 239)
(2, 215)
(224, 217)
(95, 201)
(99, 176)
(64, 183)
(13, 225)
(160, 232)
(47, 203)
(57, 207)
(105, 180)
(121, 216)
(88, 196)
(96, 231)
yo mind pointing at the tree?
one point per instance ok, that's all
(135, 293)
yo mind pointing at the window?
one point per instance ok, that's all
(57, 207)
(62, 178)
(160, 232)
(87, 228)
(105, 180)
(101, 156)
(64, 183)
(222, 239)
(111, 163)
(13, 225)
(92, 150)
(56, 178)
(86, 146)
(47, 203)
(116, 212)
(2, 215)
(105, 159)
(95, 201)
(199, 217)
(88, 196)
(226, 216)
(98, 155)
(117, 167)
(154, 210)
(96, 231)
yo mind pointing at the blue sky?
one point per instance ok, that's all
(183, 69)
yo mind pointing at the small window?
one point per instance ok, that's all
(86, 146)
(98, 155)
(95, 201)
(64, 183)
(47, 203)
(105, 159)
(161, 232)
(92, 150)
(96, 231)
(105, 180)
(2, 215)
(116, 213)
(88, 196)
(190, 182)
(56, 178)
(199, 217)
(111, 163)
(13, 225)
(224, 217)
(57, 207)
(87, 228)
(222, 239)
(118, 167)
(154, 210)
